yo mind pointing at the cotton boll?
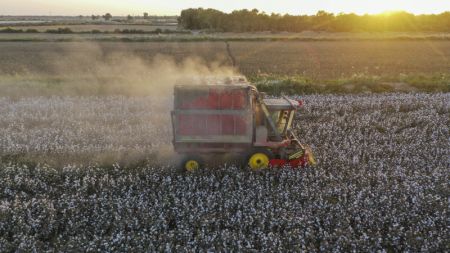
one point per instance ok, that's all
(378, 185)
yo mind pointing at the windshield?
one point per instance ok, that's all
(282, 120)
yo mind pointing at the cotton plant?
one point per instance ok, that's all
(380, 183)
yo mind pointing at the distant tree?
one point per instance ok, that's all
(246, 21)
(60, 30)
(129, 17)
(10, 30)
(347, 23)
(31, 31)
(323, 21)
(93, 17)
(107, 16)
(145, 15)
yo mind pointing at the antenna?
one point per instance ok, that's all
(230, 54)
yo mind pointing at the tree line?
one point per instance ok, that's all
(254, 20)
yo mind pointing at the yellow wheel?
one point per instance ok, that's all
(191, 165)
(258, 161)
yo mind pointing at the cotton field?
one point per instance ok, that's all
(96, 174)
(62, 130)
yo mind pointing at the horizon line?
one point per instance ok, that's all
(260, 12)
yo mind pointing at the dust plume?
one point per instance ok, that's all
(129, 74)
(101, 107)
(86, 69)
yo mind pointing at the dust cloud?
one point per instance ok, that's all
(91, 69)
(84, 70)
(124, 72)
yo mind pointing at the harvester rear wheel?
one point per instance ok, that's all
(191, 163)
(259, 159)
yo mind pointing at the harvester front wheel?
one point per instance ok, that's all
(191, 164)
(259, 159)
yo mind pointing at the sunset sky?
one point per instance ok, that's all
(173, 7)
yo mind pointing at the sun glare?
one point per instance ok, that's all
(389, 13)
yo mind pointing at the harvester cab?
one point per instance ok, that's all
(273, 130)
(234, 118)
(277, 115)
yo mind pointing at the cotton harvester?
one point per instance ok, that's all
(234, 118)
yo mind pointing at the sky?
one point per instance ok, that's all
(173, 7)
